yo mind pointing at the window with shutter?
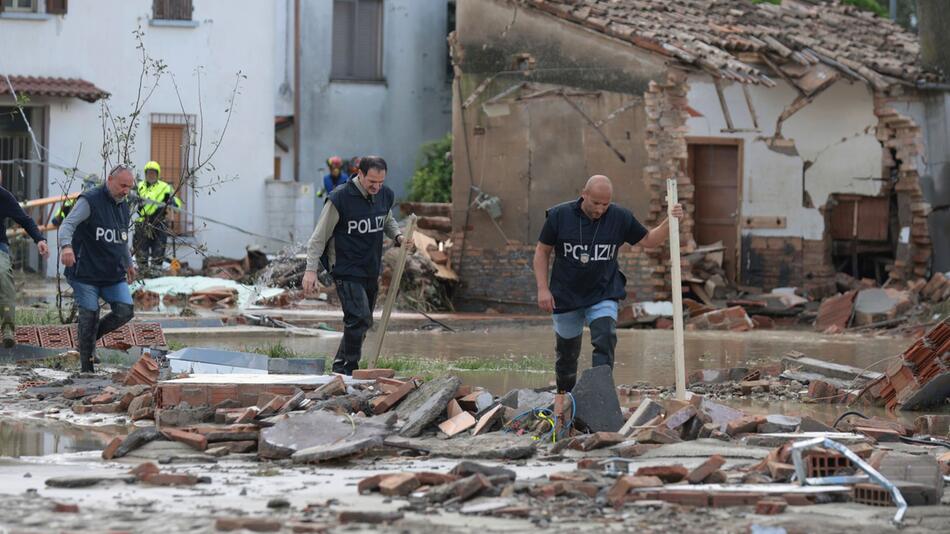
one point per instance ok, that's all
(56, 7)
(357, 40)
(172, 9)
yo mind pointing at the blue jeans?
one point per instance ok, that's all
(571, 324)
(87, 295)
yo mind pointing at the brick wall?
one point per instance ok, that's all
(505, 275)
(770, 262)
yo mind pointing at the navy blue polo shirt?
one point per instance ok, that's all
(585, 268)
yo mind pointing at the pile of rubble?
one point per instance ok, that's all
(920, 377)
(712, 303)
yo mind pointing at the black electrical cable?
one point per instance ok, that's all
(846, 414)
(931, 441)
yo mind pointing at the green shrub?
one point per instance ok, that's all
(432, 181)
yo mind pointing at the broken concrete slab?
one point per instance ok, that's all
(296, 366)
(298, 433)
(777, 439)
(424, 405)
(798, 362)
(158, 450)
(333, 451)
(527, 399)
(596, 402)
(647, 410)
(779, 423)
(704, 448)
(486, 446)
(920, 469)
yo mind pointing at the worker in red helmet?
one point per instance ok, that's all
(335, 177)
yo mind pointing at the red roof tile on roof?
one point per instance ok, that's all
(721, 36)
(50, 86)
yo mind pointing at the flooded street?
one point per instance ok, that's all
(642, 355)
(20, 437)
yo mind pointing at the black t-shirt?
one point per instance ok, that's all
(585, 253)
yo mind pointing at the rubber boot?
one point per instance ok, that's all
(119, 314)
(567, 352)
(88, 322)
(603, 336)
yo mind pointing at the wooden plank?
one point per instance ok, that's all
(393, 289)
(679, 360)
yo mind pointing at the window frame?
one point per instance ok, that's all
(155, 11)
(34, 7)
(379, 77)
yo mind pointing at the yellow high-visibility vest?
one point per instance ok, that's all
(155, 192)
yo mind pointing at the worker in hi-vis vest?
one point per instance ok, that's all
(151, 229)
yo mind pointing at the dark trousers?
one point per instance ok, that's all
(358, 298)
(148, 245)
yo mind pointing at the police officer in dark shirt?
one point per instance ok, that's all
(586, 283)
(94, 240)
(348, 242)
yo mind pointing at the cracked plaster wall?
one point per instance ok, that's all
(835, 133)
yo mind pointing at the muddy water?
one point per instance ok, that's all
(642, 355)
(31, 438)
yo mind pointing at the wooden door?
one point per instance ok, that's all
(168, 151)
(714, 169)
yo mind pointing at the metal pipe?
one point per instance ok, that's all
(873, 475)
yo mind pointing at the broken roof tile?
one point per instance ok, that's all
(710, 34)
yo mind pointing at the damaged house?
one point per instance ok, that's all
(808, 138)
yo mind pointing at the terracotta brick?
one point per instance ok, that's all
(427, 478)
(400, 485)
(599, 440)
(109, 452)
(273, 406)
(385, 403)
(143, 413)
(113, 407)
(219, 393)
(247, 415)
(373, 374)
(453, 408)
(666, 473)
(388, 385)
(192, 439)
(74, 392)
(64, 508)
(705, 469)
(144, 469)
(688, 498)
(743, 425)
(370, 483)
(102, 398)
(170, 395)
(723, 500)
(770, 506)
(457, 424)
(195, 395)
